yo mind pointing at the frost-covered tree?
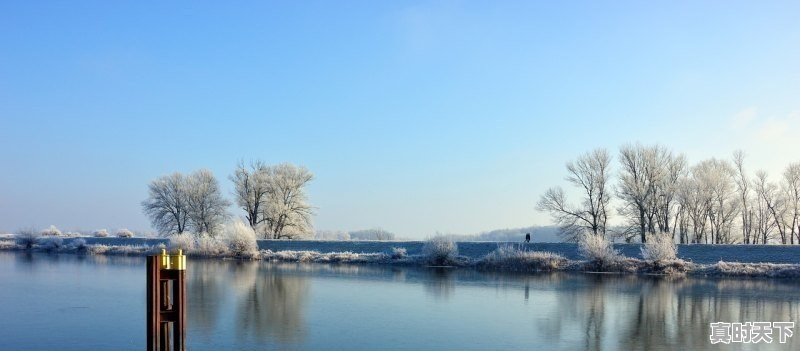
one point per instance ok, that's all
(208, 210)
(178, 203)
(790, 189)
(694, 205)
(167, 205)
(667, 207)
(51, 231)
(251, 189)
(745, 198)
(287, 213)
(590, 173)
(331, 235)
(715, 182)
(372, 234)
(766, 205)
(648, 181)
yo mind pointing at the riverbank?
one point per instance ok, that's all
(734, 260)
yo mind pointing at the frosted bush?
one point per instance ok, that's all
(515, 258)
(51, 231)
(7, 245)
(440, 251)
(241, 239)
(78, 245)
(129, 250)
(50, 243)
(659, 248)
(316, 257)
(100, 233)
(598, 249)
(27, 238)
(157, 249)
(183, 241)
(210, 246)
(399, 253)
(124, 233)
(736, 269)
(99, 249)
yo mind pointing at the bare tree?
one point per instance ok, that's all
(590, 173)
(251, 188)
(675, 169)
(167, 204)
(644, 179)
(790, 188)
(372, 234)
(715, 180)
(743, 187)
(178, 203)
(765, 208)
(287, 213)
(695, 205)
(208, 210)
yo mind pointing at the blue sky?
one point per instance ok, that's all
(416, 117)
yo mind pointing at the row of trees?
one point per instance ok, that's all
(656, 190)
(272, 197)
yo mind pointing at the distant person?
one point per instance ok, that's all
(527, 237)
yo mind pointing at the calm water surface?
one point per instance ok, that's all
(69, 302)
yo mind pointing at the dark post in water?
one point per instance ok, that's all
(166, 302)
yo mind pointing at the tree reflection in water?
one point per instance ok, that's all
(254, 305)
(657, 313)
(271, 303)
(440, 284)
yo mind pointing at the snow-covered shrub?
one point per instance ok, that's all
(241, 239)
(440, 250)
(129, 250)
(7, 245)
(736, 269)
(78, 245)
(597, 249)
(51, 231)
(50, 243)
(99, 249)
(316, 257)
(26, 238)
(515, 258)
(100, 233)
(659, 248)
(157, 249)
(210, 246)
(124, 233)
(183, 241)
(399, 253)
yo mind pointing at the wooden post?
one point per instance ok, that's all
(166, 302)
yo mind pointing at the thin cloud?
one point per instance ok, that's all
(745, 117)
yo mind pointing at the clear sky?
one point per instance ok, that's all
(415, 117)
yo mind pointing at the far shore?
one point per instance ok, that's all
(696, 260)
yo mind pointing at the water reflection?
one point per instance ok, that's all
(589, 311)
(657, 313)
(440, 284)
(260, 305)
(272, 305)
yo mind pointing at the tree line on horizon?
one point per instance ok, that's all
(273, 198)
(655, 190)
